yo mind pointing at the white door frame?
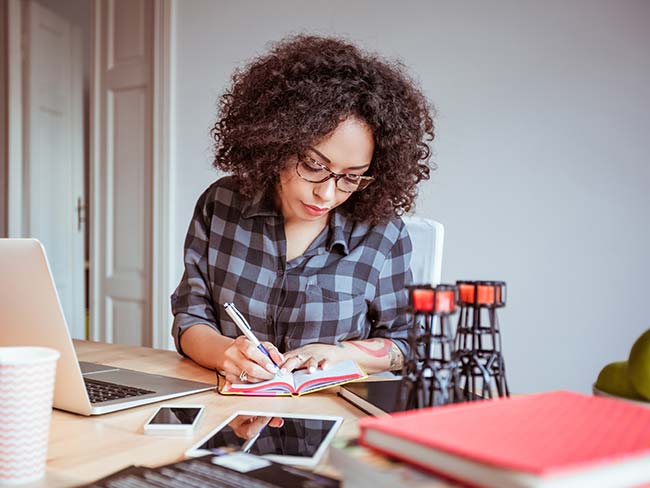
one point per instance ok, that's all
(15, 214)
(163, 151)
(162, 170)
(3, 119)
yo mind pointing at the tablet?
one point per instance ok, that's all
(288, 438)
(375, 397)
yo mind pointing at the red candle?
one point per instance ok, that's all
(485, 294)
(423, 300)
(445, 301)
(466, 293)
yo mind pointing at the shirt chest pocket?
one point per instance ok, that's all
(328, 317)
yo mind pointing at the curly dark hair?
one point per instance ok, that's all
(297, 94)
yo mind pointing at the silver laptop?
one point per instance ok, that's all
(31, 315)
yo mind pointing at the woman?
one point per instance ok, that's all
(325, 145)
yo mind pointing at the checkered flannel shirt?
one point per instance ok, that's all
(349, 284)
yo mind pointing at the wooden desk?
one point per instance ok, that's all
(83, 449)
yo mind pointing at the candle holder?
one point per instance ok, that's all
(482, 370)
(430, 373)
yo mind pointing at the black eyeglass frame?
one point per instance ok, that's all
(364, 181)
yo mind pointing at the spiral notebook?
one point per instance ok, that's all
(299, 382)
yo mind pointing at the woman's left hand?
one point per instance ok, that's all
(310, 357)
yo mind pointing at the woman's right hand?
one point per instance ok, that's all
(247, 426)
(242, 355)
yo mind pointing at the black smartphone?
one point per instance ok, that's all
(174, 419)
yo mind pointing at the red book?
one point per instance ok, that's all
(545, 440)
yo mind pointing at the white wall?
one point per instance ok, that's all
(542, 143)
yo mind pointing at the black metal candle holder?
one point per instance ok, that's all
(482, 370)
(430, 373)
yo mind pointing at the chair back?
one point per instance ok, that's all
(427, 237)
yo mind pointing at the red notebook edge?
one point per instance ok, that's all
(256, 389)
(390, 426)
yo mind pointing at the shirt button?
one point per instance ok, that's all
(269, 321)
(280, 273)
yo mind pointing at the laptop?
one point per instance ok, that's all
(31, 315)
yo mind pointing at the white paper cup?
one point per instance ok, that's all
(26, 390)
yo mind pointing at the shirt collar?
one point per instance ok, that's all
(340, 229)
(262, 205)
(340, 225)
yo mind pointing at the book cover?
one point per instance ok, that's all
(299, 382)
(547, 439)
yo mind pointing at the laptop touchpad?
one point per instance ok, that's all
(87, 368)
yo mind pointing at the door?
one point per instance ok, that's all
(53, 152)
(121, 182)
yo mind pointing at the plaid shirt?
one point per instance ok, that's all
(349, 284)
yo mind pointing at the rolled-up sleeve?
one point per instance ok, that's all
(388, 309)
(191, 302)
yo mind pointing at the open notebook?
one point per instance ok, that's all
(299, 382)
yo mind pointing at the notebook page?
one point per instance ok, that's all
(327, 376)
(281, 382)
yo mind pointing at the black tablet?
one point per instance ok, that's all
(288, 438)
(374, 397)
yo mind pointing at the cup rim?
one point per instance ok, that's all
(14, 355)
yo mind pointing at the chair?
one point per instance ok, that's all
(427, 237)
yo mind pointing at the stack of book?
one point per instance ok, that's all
(360, 467)
(545, 440)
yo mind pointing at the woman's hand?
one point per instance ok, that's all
(248, 426)
(310, 357)
(372, 355)
(243, 362)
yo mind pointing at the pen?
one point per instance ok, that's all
(243, 325)
(249, 443)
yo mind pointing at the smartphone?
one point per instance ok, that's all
(174, 419)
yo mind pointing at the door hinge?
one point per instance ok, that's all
(81, 213)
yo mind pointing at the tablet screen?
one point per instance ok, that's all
(280, 436)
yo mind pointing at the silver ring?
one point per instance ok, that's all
(243, 376)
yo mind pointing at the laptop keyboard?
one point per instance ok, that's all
(101, 391)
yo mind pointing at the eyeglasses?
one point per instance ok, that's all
(316, 172)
